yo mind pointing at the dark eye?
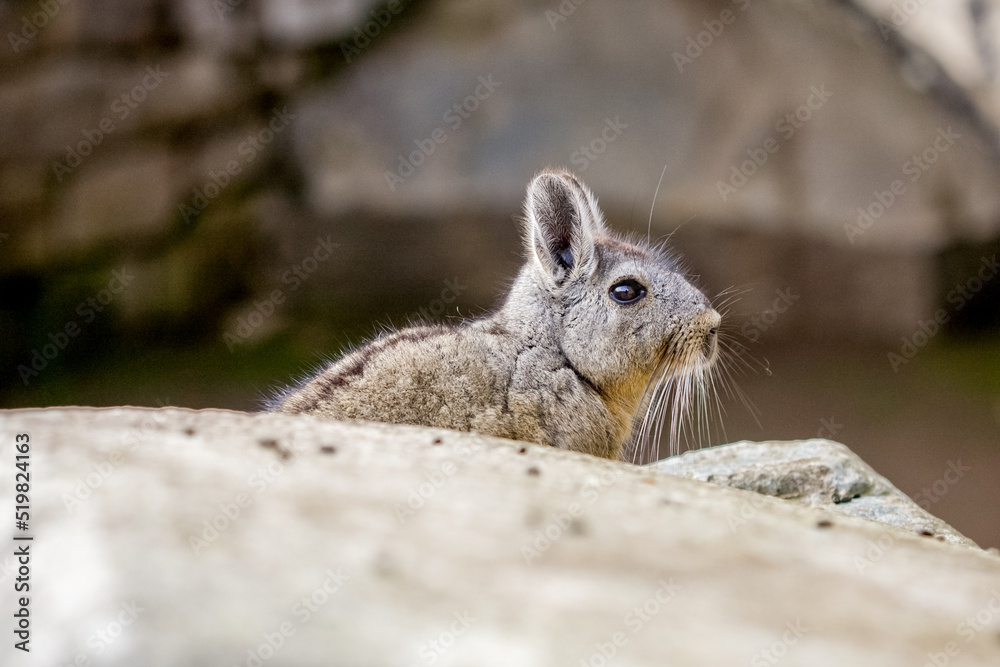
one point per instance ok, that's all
(627, 291)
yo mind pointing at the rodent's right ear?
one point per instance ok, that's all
(560, 226)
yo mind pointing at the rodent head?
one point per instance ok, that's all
(627, 317)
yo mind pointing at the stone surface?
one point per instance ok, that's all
(819, 473)
(341, 543)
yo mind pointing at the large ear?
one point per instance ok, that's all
(562, 220)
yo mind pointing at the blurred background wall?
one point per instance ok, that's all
(200, 200)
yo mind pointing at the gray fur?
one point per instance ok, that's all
(560, 363)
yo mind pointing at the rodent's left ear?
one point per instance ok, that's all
(561, 225)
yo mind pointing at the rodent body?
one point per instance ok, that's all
(587, 328)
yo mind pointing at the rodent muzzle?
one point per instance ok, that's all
(709, 322)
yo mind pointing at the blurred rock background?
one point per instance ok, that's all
(201, 199)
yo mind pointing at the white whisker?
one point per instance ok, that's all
(686, 395)
(649, 226)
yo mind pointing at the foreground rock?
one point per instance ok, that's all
(817, 472)
(178, 537)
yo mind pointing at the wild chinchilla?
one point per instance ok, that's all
(594, 336)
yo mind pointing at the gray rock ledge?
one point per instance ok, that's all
(183, 537)
(817, 472)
